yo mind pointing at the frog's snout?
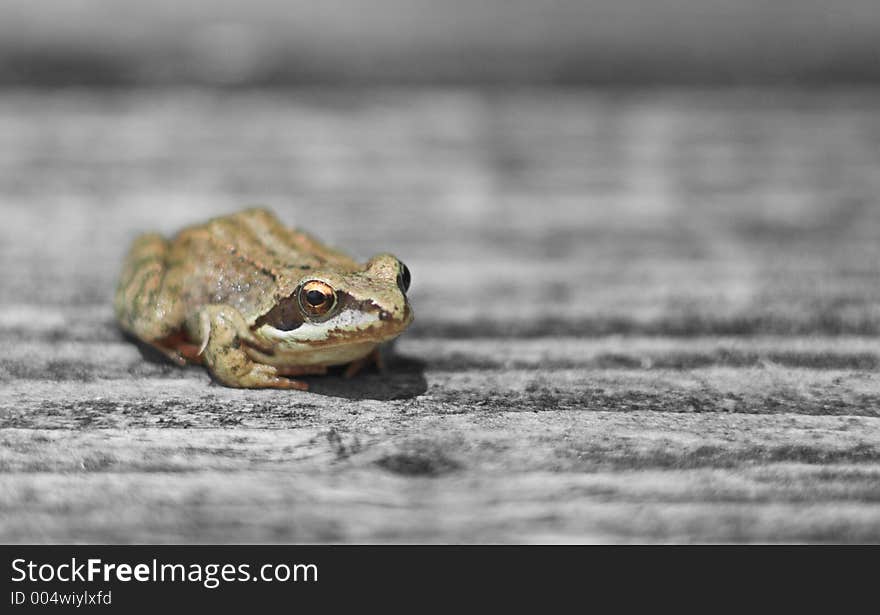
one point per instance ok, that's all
(400, 317)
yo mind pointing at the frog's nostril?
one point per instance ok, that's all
(383, 315)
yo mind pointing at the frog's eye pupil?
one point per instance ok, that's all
(315, 297)
(404, 278)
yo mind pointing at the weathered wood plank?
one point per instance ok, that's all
(567, 476)
(639, 317)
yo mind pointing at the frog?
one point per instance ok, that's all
(258, 303)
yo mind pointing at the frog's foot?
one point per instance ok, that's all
(224, 333)
(261, 376)
(374, 358)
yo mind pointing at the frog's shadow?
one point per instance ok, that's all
(402, 378)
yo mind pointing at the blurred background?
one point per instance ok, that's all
(272, 42)
(643, 237)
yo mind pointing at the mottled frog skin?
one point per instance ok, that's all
(257, 302)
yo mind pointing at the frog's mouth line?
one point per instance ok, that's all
(360, 327)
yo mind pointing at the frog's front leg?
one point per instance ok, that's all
(225, 334)
(374, 358)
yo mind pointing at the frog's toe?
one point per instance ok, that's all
(267, 377)
(288, 383)
(256, 376)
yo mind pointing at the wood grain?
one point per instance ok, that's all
(643, 316)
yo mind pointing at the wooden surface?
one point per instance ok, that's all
(643, 316)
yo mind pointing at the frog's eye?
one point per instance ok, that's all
(316, 298)
(403, 278)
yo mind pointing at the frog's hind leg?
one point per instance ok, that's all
(144, 305)
(179, 349)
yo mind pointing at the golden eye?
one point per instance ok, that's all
(316, 298)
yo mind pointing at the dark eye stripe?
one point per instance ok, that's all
(285, 316)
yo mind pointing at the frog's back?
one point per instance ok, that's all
(247, 260)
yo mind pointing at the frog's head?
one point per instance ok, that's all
(333, 308)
